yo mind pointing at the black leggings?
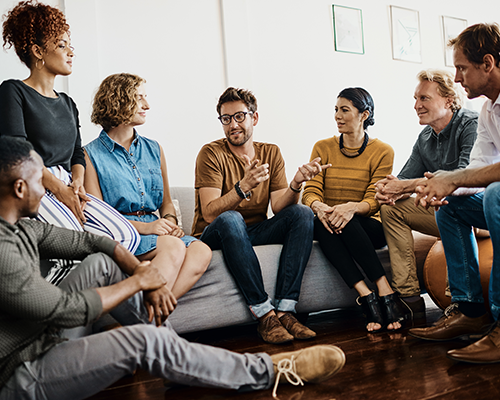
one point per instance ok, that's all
(357, 242)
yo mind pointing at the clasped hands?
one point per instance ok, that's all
(335, 218)
(431, 190)
(158, 299)
(389, 190)
(75, 198)
(163, 226)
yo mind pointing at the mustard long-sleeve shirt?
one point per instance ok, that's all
(349, 179)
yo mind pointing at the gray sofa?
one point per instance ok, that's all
(215, 301)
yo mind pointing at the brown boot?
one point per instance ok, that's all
(271, 330)
(313, 364)
(294, 327)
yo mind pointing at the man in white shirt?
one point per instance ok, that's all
(477, 63)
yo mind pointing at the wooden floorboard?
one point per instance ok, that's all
(379, 366)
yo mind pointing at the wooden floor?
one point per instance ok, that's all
(379, 366)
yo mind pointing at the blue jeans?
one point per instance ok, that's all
(455, 222)
(292, 227)
(78, 368)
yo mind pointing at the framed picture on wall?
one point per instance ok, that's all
(405, 28)
(451, 29)
(348, 29)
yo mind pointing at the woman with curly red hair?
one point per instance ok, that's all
(33, 110)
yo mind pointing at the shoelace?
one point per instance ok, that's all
(449, 310)
(287, 368)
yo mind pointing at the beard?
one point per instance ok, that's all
(245, 137)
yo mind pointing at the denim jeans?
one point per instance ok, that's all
(292, 227)
(81, 367)
(455, 222)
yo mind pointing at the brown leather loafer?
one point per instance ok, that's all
(271, 330)
(484, 351)
(294, 327)
(452, 326)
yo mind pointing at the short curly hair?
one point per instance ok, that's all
(115, 102)
(31, 23)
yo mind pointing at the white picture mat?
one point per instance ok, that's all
(452, 27)
(405, 34)
(348, 28)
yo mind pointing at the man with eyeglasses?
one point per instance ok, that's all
(236, 178)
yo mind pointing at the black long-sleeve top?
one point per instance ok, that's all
(50, 124)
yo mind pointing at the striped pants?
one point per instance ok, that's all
(102, 219)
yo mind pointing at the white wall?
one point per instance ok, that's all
(190, 50)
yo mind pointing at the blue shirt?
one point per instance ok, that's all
(130, 180)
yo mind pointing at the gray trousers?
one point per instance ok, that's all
(81, 367)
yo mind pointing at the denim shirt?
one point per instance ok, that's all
(131, 180)
(448, 150)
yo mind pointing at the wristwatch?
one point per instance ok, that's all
(242, 194)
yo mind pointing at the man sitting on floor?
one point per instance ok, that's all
(37, 362)
(477, 62)
(445, 143)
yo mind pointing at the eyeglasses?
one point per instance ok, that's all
(239, 117)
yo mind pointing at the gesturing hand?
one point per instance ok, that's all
(254, 174)
(308, 171)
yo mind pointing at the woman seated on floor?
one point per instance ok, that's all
(129, 172)
(347, 223)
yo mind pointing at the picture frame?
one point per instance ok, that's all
(452, 27)
(405, 33)
(348, 29)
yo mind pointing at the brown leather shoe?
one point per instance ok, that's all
(294, 327)
(484, 351)
(271, 330)
(453, 325)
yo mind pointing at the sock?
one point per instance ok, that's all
(471, 310)
(411, 299)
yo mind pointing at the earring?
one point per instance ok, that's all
(36, 64)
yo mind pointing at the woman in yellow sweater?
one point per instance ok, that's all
(347, 223)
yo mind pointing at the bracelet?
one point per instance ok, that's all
(296, 190)
(171, 216)
(247, 196)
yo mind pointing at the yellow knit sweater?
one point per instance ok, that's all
(349, 179)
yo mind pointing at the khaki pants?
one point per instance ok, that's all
(398, 222)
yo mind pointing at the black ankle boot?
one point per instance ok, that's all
(371, 308)
(393, 309)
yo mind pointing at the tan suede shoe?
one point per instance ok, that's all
(484, 351)
(295, 328)
(271, 330)
(313, 364)
(452, 326)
